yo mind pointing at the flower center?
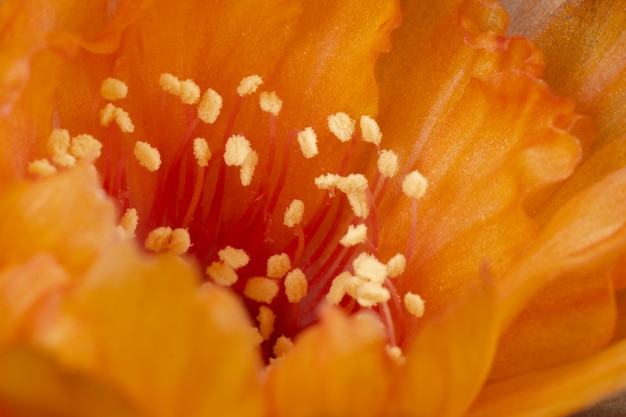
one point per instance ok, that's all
(224, 200)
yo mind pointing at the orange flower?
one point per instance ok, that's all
(430, 231)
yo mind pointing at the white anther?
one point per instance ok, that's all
(261, 289)
(294, 213)
(396, 265)
(388, 164)
(414, 185)
(113, 89)
(270, 102)
(354, 236)
(210, 106)
(370, 130)
(85, 147)
(222, 274)
(414, 304)
(296, 286)
(341, 125)
(249, 85)
(237, 149)
(201, 151)
(369, 268)
(147, 156)
(307, 139)
(247, 169)
(235, 258)
(42, 168)
(278, 265)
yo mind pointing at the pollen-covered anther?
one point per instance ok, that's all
(107, 114)
(354, 236)
(395, 353)
(388, 164)
(236, 151)
(85, 147)
(278, 265)
(189, 92)
(58, 148)
(341, 125)
(235, 258)
(170, 83)
(282, 346)
(180, 241)
(266, 318)
(158, 239)
(128, 222)
(353, 185)
(113, 89)
(338, 288)
(370, 294)
(249, 85)
(210, 106)
(414, 185)
(110, 113)
(270, 102)
(201, 151)
(368, 267)
(247, 169)
(261, 289)
(370, 131)
(294, 213)
(414, 304)
(222, 274)
(296, 285)
(147, 156)
(307, 139)
(41, 168)
(396, 265)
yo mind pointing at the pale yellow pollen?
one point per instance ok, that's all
(414, 304)
(358, 203)
(147, 156)
(201, 151)
(341, 125)
(395, 353)
(222, 274)
(388, 164)
(370, 130)
(189, 92)
(129, 222)
(123, 121)
(338, 288)
(107, 114)
(307, 139)
(353, 185)
(270, 102)
(278, 265)
(370, 294)
(266, 319)
(113, 89)
(414, 185)
(58, 148)
(170, 84)
(396, 265)
(210, 106)
(282, 346)
(261, 289)
(180, 241)
(327, 181)
(235, 258)
(42, 168)
(249, 85)
(294, 213)
(85, 147)
(236, 151)
(248, 167)
(158, 239)
(354, 236)
(368, 267)
(296, 286)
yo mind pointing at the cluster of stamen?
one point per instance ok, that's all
(366, 280)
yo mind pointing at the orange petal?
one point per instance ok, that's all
(41, 216)
(449, 360)
(32, 385)
(556, 391)
(336, 368)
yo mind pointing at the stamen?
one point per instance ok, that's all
(201, 151)
(249, 85)
(370, 130)
(147, 156)
(248, 167)
(113, 89)
(370, 294)
(180, 242)
(42, 168)
(210, 106)
(123, 121)
(338, 288)
(388, 164)
(236, 150)
(158, 239)
(368, 267)
(169, 83)
(278, 265)
(266, 320)
(294, 213)
(222, 274)
(58, 148)
(261, 289)
(341, 125)
(282, 346)
(414, 304)
(189, 92)
(414, 185)
(353, 185)
(396, 266)
(235, 258)
(270, 102)
(307, 139)
(296, 286)
(395, 353)
(107, 114)
(129, 222)
(85, 147)
(354, 236)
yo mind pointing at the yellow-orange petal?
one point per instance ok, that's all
(556, 391)
(41, 216)
(448, 361)
(336, 368)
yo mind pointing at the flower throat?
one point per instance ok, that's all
(325, 253)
